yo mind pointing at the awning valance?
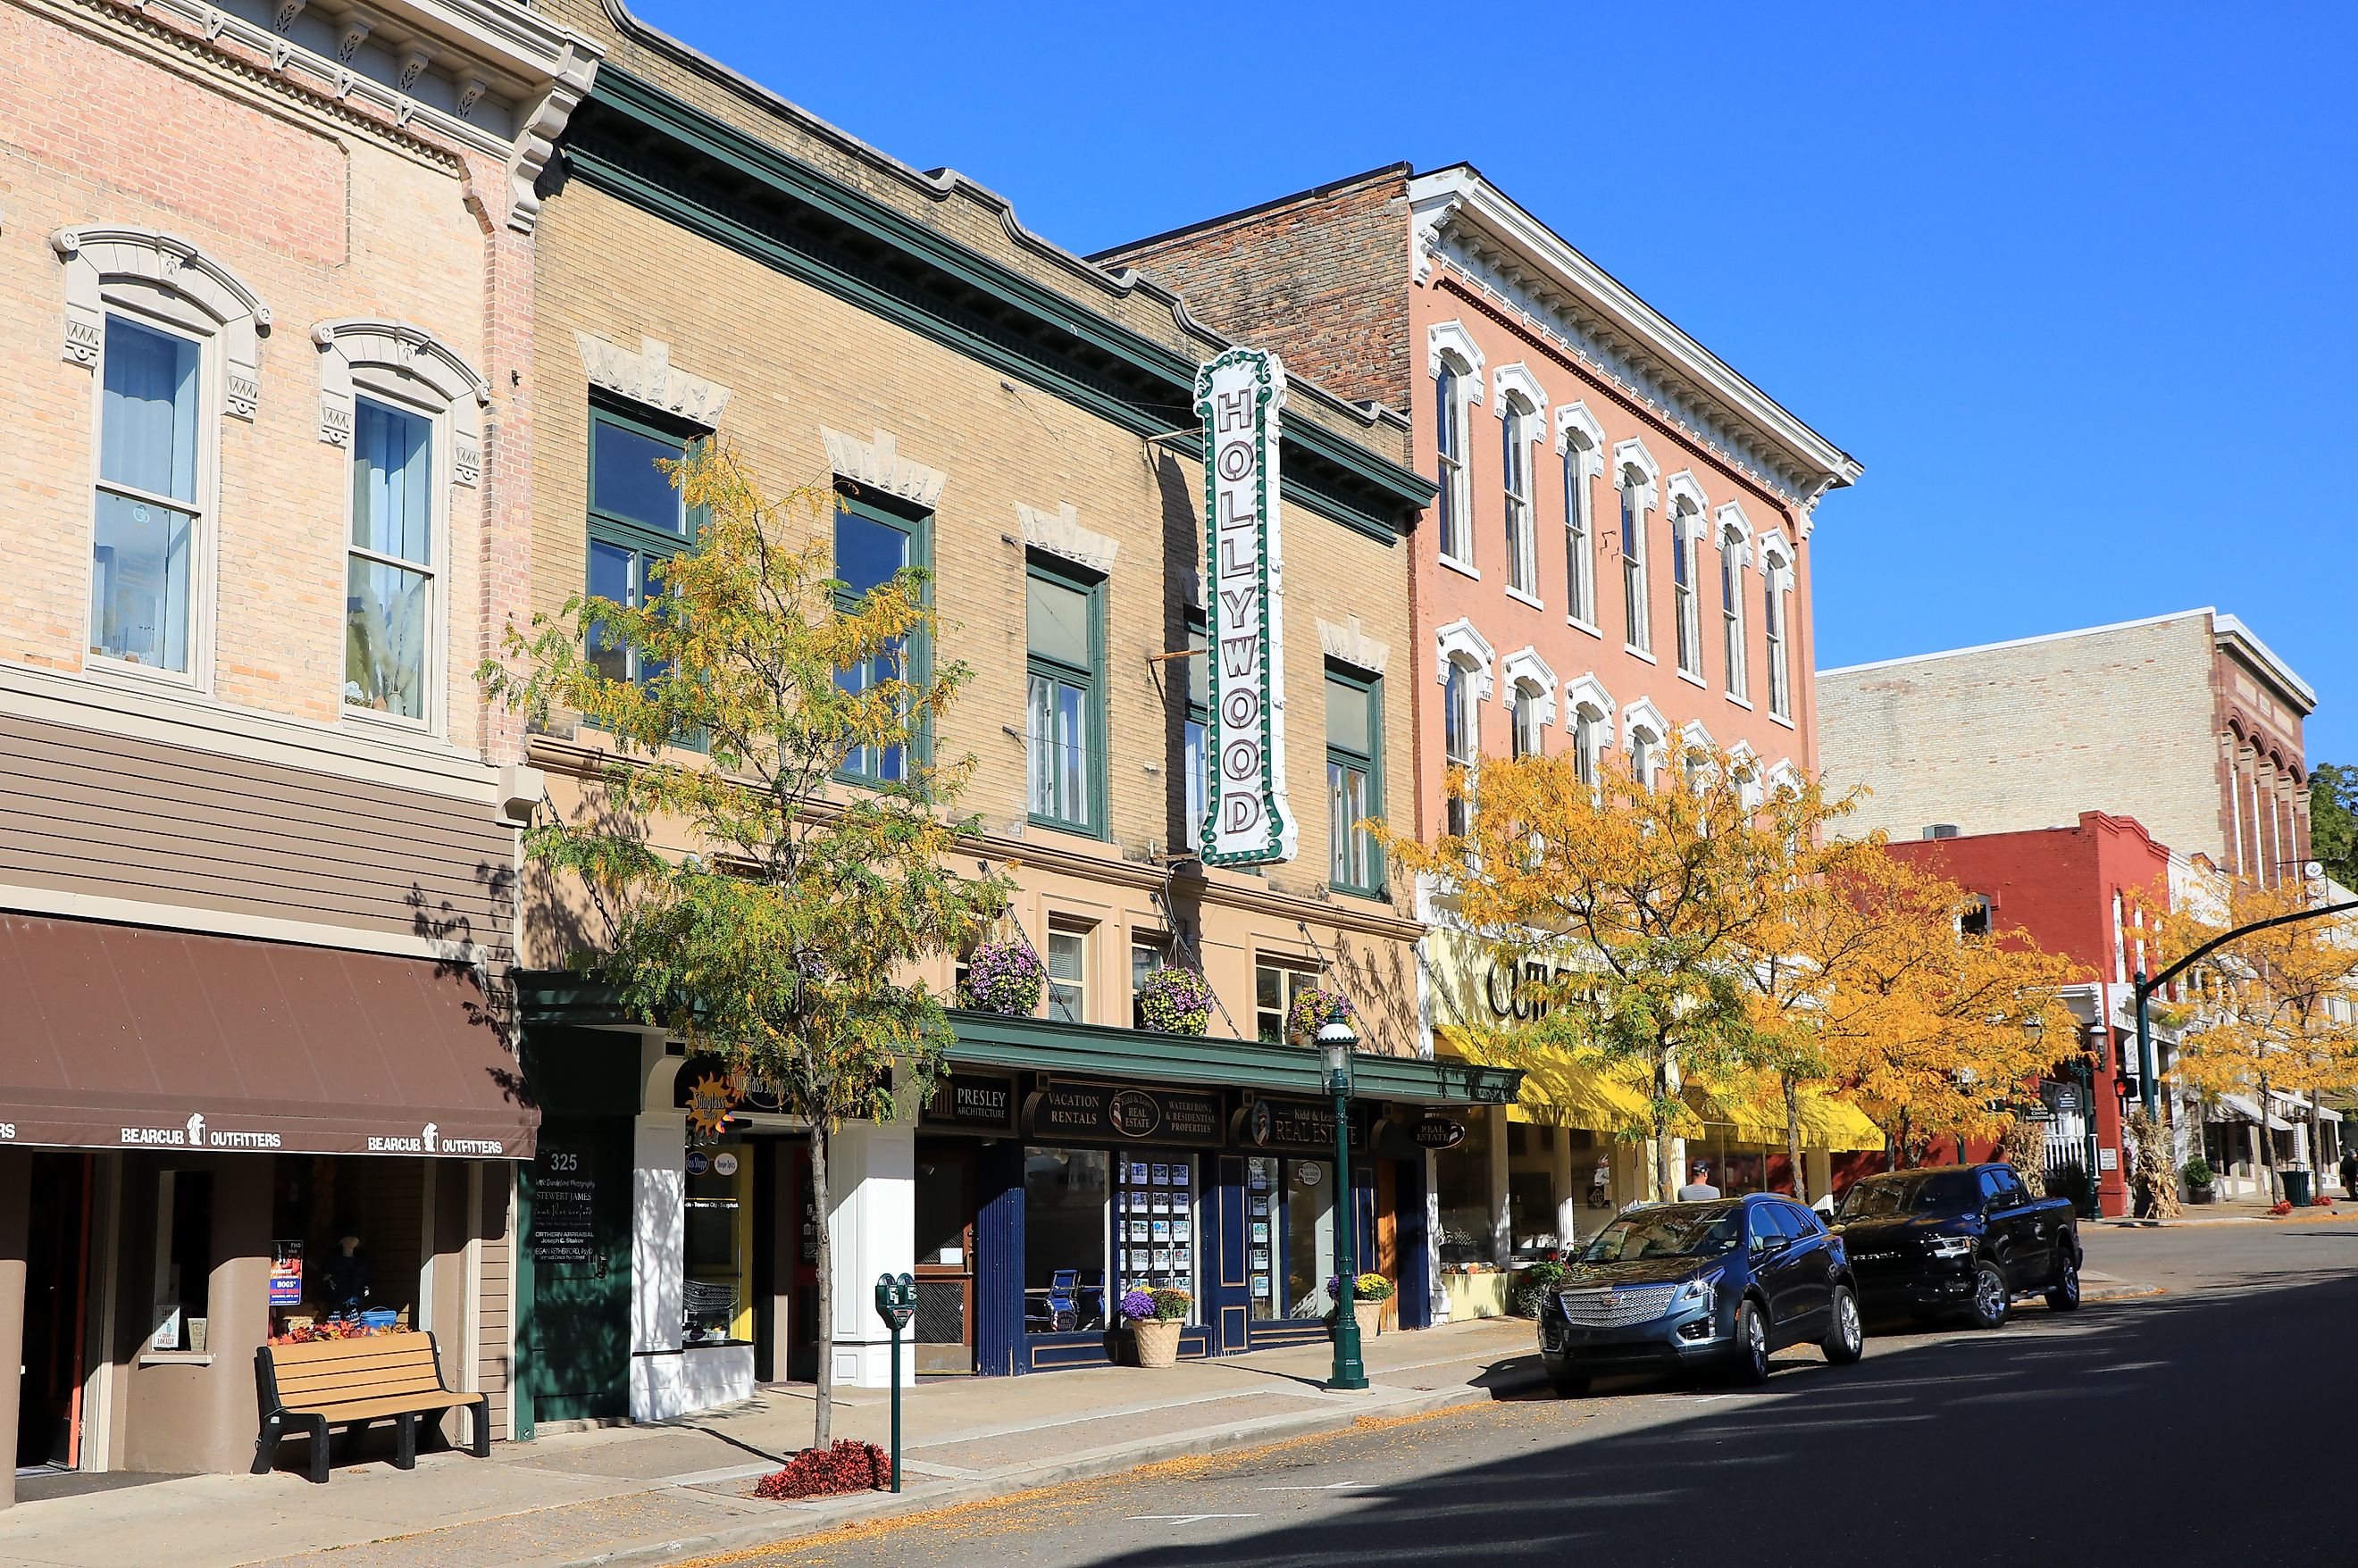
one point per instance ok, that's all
(126, 1037)
(1084, 1050)
(2242, 1109)
(1759, 1118)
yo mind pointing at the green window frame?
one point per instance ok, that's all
(627, 541)
(1064, 726)
(1354, 780)
(872, 765)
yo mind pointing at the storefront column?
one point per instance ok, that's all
(871, 1230)
(658, 1249)
(1502, 1226)
(1819, 1165)
(15, 1183)
(1567, 1197)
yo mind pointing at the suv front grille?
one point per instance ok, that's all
(1616, 1309)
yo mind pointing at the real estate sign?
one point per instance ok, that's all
(1247, 822)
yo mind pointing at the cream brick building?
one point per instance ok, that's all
(265, 286)
(2187, 722)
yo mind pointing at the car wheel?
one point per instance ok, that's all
(1989, 1306)
(1846, 1341)
(2063, 1295)
(1568, 1385)
(1751, 1362)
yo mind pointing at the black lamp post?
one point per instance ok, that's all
(1336, 1044)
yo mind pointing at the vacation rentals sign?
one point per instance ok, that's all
(1246, 820)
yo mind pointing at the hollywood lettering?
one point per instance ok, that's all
(1246, 821)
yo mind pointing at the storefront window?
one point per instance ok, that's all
(1274, 987)
(347, 1236)
(1069, 968)
(1462, 1183)
(1066, 1198)
(1154, 1224)
(719, 1244)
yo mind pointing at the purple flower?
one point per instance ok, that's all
(1004, 978)
(1137, 1305)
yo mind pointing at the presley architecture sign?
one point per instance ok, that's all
(1246, 819)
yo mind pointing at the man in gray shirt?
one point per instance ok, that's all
(1700, 1189)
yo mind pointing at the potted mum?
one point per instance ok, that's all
(2201, 1181)
(1155, 1318)
(1004, 978)
(1174, 1001)
(1369, 1292)
(1313, 1010)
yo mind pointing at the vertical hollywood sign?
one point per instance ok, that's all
(1246, 819)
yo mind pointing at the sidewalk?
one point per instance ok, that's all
(653, 1493)
(2250, 1211)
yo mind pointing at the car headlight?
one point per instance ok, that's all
(1702, 1292)
(1950, 1246)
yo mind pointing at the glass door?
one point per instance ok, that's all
(945, 1213)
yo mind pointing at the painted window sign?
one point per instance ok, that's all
(1247, 820)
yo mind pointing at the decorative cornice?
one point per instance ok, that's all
(1060, 532)
(1349, 644)
(877, 465)
(644, 145)
(98, 254)
(649, 377)
(1463, 221)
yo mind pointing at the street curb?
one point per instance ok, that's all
(2310, 1216)
(827, 1516)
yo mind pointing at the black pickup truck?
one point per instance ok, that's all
(1963, 1239)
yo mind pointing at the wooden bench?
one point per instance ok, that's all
(354, 1383)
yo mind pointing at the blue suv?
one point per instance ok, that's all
(1722, 1284)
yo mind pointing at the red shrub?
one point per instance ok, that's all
(2321, 1201)
(849, 1466)
(2281, 1206)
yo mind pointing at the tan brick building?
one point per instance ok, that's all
(2187, 722)
(263, 278)
(981, 402)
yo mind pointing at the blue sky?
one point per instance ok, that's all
(2074, 283)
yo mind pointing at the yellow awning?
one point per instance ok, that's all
(1759, 1116)
(1561, 1087)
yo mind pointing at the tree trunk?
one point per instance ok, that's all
(2316, 1148)
(2268, 1147)
(1665, 1178)
(1793, 1139)
(823, 1375)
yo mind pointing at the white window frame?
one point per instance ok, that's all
(1580, 441)
(408, 368)
(1530, 701)
(162, 282)
(1643, 725)
(1636, 481)
(1735, 555)
(1463, 650)
(1777, 630)
(1448, 345)
(1518, 429)
(1590, 708)
(1687, 508)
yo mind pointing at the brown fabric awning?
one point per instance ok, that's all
(124, 1037)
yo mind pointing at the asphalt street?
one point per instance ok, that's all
(2216, 1421)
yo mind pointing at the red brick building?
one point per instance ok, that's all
(2072, 891)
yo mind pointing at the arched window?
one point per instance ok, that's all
(1686, 532)
(1775, 584)
(1592, 725)
(1733, 537)
(173, 335)
(1455, 364)
(1461, 734)
(1518, 426)
(1636, 474)
(1582, 442)
(1648, 747)
(408, 410)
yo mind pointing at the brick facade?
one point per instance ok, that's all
(2180, 721)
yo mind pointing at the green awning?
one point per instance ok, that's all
(1086, 1050)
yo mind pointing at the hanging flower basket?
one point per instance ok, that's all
(1004, 978)
(1175, 1001)
(1313, 1010)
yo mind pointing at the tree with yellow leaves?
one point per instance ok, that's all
(1931, 1029)
(1631, 905)
(2272, 1010)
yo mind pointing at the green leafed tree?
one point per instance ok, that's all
(751, 901)
(2333, 820)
